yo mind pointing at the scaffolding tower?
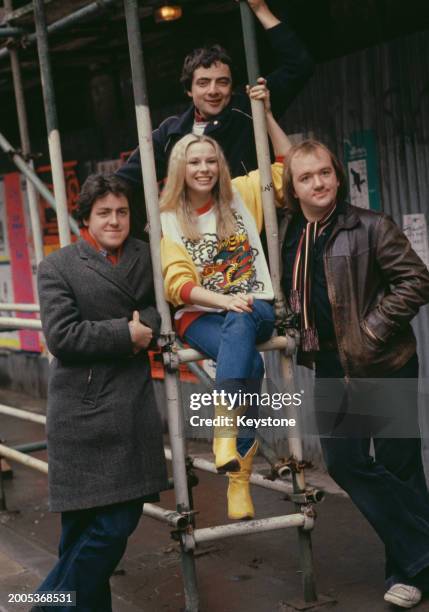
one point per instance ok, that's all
(182, 520)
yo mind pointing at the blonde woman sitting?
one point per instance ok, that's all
(217, 276)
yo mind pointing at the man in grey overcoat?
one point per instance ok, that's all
(104, 433)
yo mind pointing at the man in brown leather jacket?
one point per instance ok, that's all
(355, 284)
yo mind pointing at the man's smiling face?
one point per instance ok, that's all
(211, 89)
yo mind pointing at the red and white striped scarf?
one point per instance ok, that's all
(301, 298)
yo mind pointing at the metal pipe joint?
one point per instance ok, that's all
(309, 514)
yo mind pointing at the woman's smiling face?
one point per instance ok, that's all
(202, 169)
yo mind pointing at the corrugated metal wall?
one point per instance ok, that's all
(385, 89)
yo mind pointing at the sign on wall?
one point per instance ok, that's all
(415, 229)
(360, 160)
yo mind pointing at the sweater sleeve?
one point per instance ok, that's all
(250, 190)
(178, 269)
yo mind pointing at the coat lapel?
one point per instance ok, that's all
(114, 274)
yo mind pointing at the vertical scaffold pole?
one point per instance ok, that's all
(150, 185)
(25, 146)
(271, 228)
(54, 140)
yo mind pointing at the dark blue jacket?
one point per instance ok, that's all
(233, 127)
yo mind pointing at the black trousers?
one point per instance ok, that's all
(389, 489)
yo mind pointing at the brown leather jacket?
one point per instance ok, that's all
(376, 285)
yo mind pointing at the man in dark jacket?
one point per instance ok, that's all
(104, 433)
(220, 113)
(355, 283)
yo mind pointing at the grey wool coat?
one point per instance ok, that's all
(103, 428)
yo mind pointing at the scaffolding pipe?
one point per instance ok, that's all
(22, 11)
(208, 534)
(6, 32)
(19, 307)
(12, 323)
(278, 343)
(54, 141)
(66, 22)
(31, 447)
(174, 519)
(299, 486)
(33, 204)
(25, 415)
(150, 185)
(256, 479)
(28, 171)
(264, 157)
(31, 462)
(271, 227)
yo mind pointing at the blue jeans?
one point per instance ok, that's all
(389, 490)
(229, 338)
(92, 543)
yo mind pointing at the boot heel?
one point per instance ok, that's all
(225, 452)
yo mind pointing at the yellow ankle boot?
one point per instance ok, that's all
(240, 505)
(225, 440)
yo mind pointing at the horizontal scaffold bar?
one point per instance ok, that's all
(31, 447)
(172, 518)
(219, 532)
(31, 462)
(16, 323)
(25, 415)
(279, 343)
(11, 32)
(19, 307)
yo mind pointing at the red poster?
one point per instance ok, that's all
(22, 281)
(51, 241)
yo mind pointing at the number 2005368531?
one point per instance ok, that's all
(44, 598)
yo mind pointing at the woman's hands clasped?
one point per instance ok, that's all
(239, 303)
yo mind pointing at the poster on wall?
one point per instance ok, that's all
(51, 240)
(4, 241)
(21, 267)
(415, 229)
(7, 339)
(360, 160)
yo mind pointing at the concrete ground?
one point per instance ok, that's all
(257, 573)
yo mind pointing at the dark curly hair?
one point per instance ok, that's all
(203, 57)
(97, 186)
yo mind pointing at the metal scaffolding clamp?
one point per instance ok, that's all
(288, 465)
(27, 157)
(185, 533)
(306, 498)
(309, 517)
(169, 348)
